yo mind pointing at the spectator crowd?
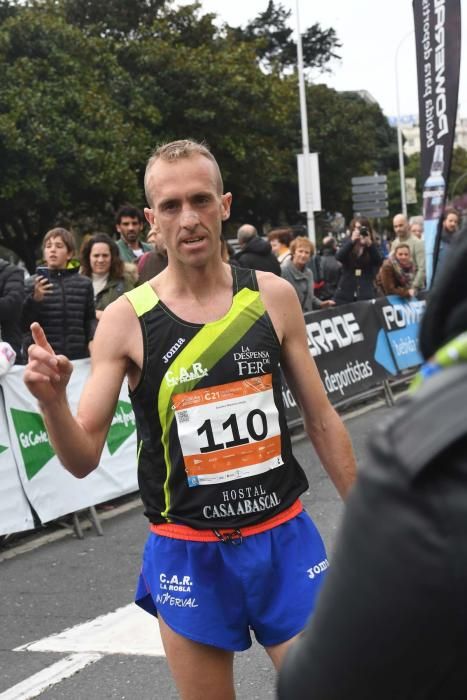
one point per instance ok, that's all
(69, 290)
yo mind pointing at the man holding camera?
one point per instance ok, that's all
(417, 249)
(360, 261)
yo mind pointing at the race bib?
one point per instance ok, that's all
(229, 431)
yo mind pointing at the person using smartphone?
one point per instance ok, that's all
(61, 299)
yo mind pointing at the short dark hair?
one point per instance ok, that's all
(129, 210)
(451, 210)
(283, 235)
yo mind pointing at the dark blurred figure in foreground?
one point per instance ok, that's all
(391, 620)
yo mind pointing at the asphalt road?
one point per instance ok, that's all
(63, 583)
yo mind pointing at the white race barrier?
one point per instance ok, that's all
(356, 347)
(15, 513)
(49, 488)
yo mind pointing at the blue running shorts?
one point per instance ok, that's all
(216, 592)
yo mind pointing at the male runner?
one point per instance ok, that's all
(230, 547)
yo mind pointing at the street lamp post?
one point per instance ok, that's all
(305, 143)
(399, 129)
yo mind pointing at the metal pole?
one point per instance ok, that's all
(304, 122)
(399, 130)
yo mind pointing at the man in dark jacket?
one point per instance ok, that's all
(391, 622)
(11, 304)
(326, 270)
(61, 299)
(255, 252)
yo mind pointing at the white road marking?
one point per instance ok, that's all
(36, 684)
(128, 630)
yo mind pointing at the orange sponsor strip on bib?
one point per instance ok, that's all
(233, 457)
(223, 392)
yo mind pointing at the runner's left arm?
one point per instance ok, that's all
(322, 423)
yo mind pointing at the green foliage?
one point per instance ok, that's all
(118, 18)
(86, 94)
(274, 44)
(65, 139)
(352, 140)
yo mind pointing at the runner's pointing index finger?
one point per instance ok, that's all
(40, 337)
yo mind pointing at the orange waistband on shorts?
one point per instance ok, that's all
(185, 532)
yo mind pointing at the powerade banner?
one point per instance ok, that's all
(399, 321)
(52, 491)
(438, 47)
(344, 341)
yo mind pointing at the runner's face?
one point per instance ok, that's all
(188, 208)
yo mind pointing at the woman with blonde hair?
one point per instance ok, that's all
(297, 272)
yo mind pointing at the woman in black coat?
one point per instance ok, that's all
(361, 261)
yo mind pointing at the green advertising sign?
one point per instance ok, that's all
(36, 449)
(123, 425)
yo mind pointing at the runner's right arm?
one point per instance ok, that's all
(78, 441)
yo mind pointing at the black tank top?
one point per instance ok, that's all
(214, 450)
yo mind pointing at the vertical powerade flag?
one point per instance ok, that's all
(438, 45)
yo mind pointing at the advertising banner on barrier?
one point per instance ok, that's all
(344, 340)
(399, 320)
(15, 513)
(51, 490)
(438, 47)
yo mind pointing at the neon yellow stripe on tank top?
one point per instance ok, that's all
(209, 345)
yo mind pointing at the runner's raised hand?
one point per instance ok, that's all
(46, 374)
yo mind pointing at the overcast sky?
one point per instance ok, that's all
(370, 31)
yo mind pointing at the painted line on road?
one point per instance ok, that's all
(128, 630)
(36, 684)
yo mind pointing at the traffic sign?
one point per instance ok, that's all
(372, 213)
(369, 180)
(370, 196)
(361, 189)
(379, 197)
